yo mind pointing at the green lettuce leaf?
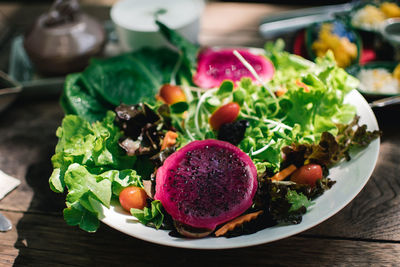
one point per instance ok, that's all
(188, 50)
(150, 216)
(87, 193)
(128, 78)
(93, 145)
(131, 78)
(80, 181)
(76, 99)
(92, 167)
(76, 214)
(298, 200)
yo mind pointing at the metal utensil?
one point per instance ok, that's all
(5, 224)
(385, 101)
(289, 21)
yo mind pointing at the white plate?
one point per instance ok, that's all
(350, 176)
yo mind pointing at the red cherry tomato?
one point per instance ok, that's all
(133, 197)
(172, 94)
(307, 174)
(224, 114)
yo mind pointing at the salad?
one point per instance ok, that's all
(203, 142)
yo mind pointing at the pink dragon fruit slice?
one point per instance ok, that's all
(216, 65)
(206, 183)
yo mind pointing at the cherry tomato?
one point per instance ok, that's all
(307, 174)
(172, 94)
(133, 197)
(224, 114)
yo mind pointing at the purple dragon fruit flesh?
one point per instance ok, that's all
(216, 65)
(206, 183)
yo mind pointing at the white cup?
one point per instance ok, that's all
(135, 21)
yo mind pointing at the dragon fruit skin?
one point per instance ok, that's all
(206, 183)
(216, 65)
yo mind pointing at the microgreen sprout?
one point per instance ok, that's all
(199, 104)
(277, 123)
(259, 151)
(257, 77)
(175, 70)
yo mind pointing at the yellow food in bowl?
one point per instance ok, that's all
(345, 52)
(371, 17)
(391, 10)
(378, 80)
(396, 72)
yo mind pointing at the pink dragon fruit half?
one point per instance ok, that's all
(206, 183)
(216, 65)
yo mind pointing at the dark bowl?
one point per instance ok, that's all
(359, 6)
(362, 4)
(369, 35)
(387, 65)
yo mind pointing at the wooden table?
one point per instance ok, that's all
(366, 232)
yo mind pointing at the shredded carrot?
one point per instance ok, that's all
(301, 84)
(229, 226)
(169, 139)
(284, 173)
(280, 92)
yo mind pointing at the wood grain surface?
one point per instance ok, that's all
(365, 233)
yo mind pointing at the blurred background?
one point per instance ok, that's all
(288, 2)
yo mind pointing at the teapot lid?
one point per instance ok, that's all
(61, 12)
